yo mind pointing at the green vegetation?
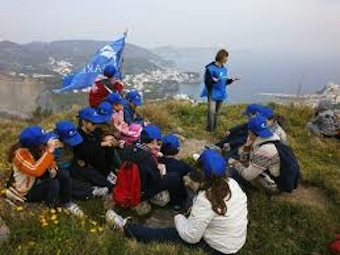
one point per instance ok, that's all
(297, 225)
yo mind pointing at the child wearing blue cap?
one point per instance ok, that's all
(128, 133)
(36, 177)
(217, 222)
(133, 100)
(69, 137)
(237, 136)
(107, 83)
(264, 163)
(95, 150)
(170, 148)
(156, 183)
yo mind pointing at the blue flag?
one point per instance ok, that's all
(110, 54)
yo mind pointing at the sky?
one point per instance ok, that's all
(280, 25)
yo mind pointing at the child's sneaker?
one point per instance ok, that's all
(74, 209)
(100, 191)
(114, 220)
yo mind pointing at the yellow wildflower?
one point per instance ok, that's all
(53, 211)
(44, 224)
(56, 222)
(20, 208)
(53, 217)
(59, 209)
(93, 230)
(93, 223)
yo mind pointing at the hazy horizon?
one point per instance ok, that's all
(282, 25)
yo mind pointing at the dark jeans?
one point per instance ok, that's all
(235, 141)
(245, 185)
(174, 184)
(165, 235)
(52, 191)
(90, 175)
(214, 108)
(105, 161)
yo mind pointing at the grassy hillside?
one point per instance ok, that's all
(302, 223)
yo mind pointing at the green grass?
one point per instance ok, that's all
(275, 226)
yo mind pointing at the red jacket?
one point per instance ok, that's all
(100, 90)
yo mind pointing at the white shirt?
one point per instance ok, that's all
(226, 234)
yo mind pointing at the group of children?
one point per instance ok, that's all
(114, 151)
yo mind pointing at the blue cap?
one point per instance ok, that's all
(110, 71)
(68, 133)
(134, 97)
(266, 112)
(258, 125)
(34, 135)
(212, 163)
(171, 141)
(151, 132)
(90, 114)
(105, 110)
(252, 109)
(114, 98)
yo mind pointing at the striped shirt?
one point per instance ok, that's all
(26, 169)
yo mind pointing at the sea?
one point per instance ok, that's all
(296, 74)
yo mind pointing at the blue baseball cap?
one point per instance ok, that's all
(171, 141)
(258, 125)
(35, 135)
(266, 112)
(114, 98)
(68, 133)
(134, 97)
(212, 163)
(110, 71)
(90, 114)
(252, 109)
(105, 110)
(151, 132)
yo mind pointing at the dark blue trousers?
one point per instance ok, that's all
(163, 235)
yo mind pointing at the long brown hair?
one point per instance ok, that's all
(217, 190)
(36, 151)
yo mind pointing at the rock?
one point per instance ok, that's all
(4, 230)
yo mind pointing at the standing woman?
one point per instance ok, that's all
(216, 80)
(36, 177)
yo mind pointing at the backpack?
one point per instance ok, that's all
(289, 176)
(334, 247)
(127, 191)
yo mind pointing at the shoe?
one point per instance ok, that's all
(143, 208)
(112, 178)
(161, 199)
(114, 220)
(100, 191)
(196, 156)
(74, 209)
(226, 147)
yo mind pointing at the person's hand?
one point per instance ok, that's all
(249, 141)
(53, 172)
(51, 145)
(81, 163)
(162, 169)
(231, 161)
(106, 144)
(236, 78)
(121, 144)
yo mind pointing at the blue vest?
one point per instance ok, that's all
(219, 89)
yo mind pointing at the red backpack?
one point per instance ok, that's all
(334, 247)
(127, 191)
